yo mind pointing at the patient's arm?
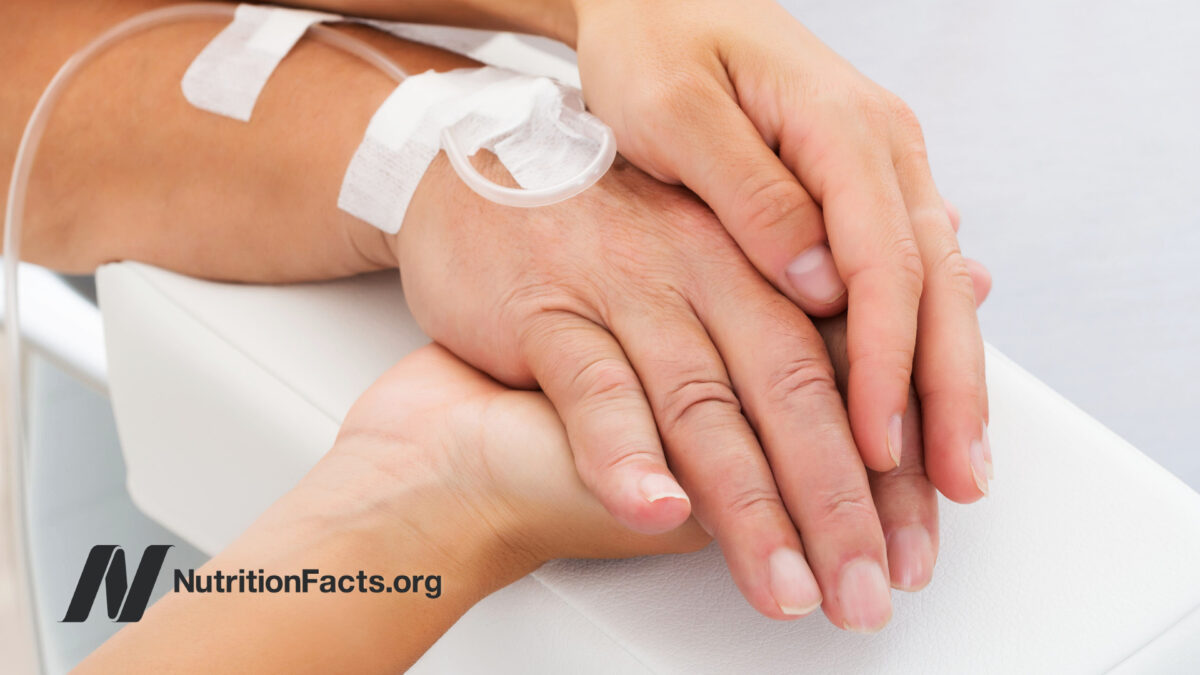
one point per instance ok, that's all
(130, 170)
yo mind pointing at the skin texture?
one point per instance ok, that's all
(441, 470)
(642, 321)
(798, 153)
(437, 470)
(819, 174)
(129, 170)
(632, 305)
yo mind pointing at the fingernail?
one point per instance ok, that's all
(792, 583)
(987, 453)
(895, 437)
(656, 486)
(910, 557)
(815, 277)
(864, 595)
(978, 466)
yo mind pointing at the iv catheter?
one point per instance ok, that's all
(36, 126)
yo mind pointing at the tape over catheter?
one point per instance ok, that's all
(537, 127)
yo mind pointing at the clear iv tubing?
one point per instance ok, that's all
(31, 138)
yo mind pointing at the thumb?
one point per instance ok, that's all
(722, 158)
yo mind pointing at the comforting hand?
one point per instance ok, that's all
(637, 315)
(792, 147)
(439, 475)
(496, 456)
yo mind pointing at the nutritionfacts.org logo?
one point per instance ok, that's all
(126, 598)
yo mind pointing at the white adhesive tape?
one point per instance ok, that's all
(536, 126)
(228, 75)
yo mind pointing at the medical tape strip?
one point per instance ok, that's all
(534, 125)
(229, 74)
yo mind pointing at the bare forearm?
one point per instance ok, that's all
(331, 522)
(129, 170)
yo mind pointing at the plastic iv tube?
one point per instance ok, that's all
(31, 138)
(15, 213)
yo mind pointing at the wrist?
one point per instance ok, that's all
(389, 502)
(376, 248)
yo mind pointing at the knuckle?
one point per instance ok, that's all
(899, 266)
(617, 458)
(911, 154)
(897, 261)
(538, 307)
(888, 362)
(904, 266)
(605, 379)
(752, 501)
(844, 504)
(950, 269)
(800, 376)
(774, 202)
(696, 398)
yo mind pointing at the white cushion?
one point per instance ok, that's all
(1085, 557)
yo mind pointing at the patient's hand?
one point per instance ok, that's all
(638, 316)
(501, 457)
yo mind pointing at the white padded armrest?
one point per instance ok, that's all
(1086, 557)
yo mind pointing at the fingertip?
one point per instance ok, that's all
(658, 505)
(864, 596)
(979, 466)
(656, 487)
(956, 483)
(814, 279)
(910, 557)
(879, 437)
(954, 452)
(792, 584)
(895, 437)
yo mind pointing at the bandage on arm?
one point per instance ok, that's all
(129, 170)
(538, 127)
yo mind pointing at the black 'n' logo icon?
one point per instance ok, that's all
(126, 601)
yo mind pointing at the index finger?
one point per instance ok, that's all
(849, 171)
(949, 358)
